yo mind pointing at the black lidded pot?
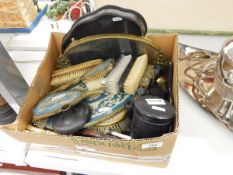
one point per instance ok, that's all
(152, 117)
(72, 120)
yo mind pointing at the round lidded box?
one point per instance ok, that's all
(152, 117)
(72, 120)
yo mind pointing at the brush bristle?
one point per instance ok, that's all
(78, 67)
(94, 84)
(94, 78)
(132, 81)
(113, 78)
(68, 74)
(120, 126)
(63, 79)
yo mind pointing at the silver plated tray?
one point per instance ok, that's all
(200, 75)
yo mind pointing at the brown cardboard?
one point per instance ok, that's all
(134, 149)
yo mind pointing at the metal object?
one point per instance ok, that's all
(208, 78)
(119, 135)
(13, 87)
(226, 61)
(148, 75)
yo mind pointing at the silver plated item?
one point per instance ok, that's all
(13, 86)
(208, 78)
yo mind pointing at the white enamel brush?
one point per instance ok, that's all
(133, 79)
(111, 81)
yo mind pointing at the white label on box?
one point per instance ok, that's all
(58, 97)
(158, 108)
(152, 145)
(158, 101)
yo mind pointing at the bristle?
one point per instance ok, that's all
(114, 119)
(63, 79)
(122, 125)
(93, 79)
(101, 69)
(66, 75)
(78, 67)
(113, 78)
(132, 81)
(94, 84)
(40, 123)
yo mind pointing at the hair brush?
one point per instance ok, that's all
(133, 79)
(119, 123)
(111, 81)
(68, 74)
(105, 106)
(93, 79)
(60, 101)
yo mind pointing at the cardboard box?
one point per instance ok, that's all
(153, 151)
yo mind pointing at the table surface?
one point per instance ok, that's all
(203, 144)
